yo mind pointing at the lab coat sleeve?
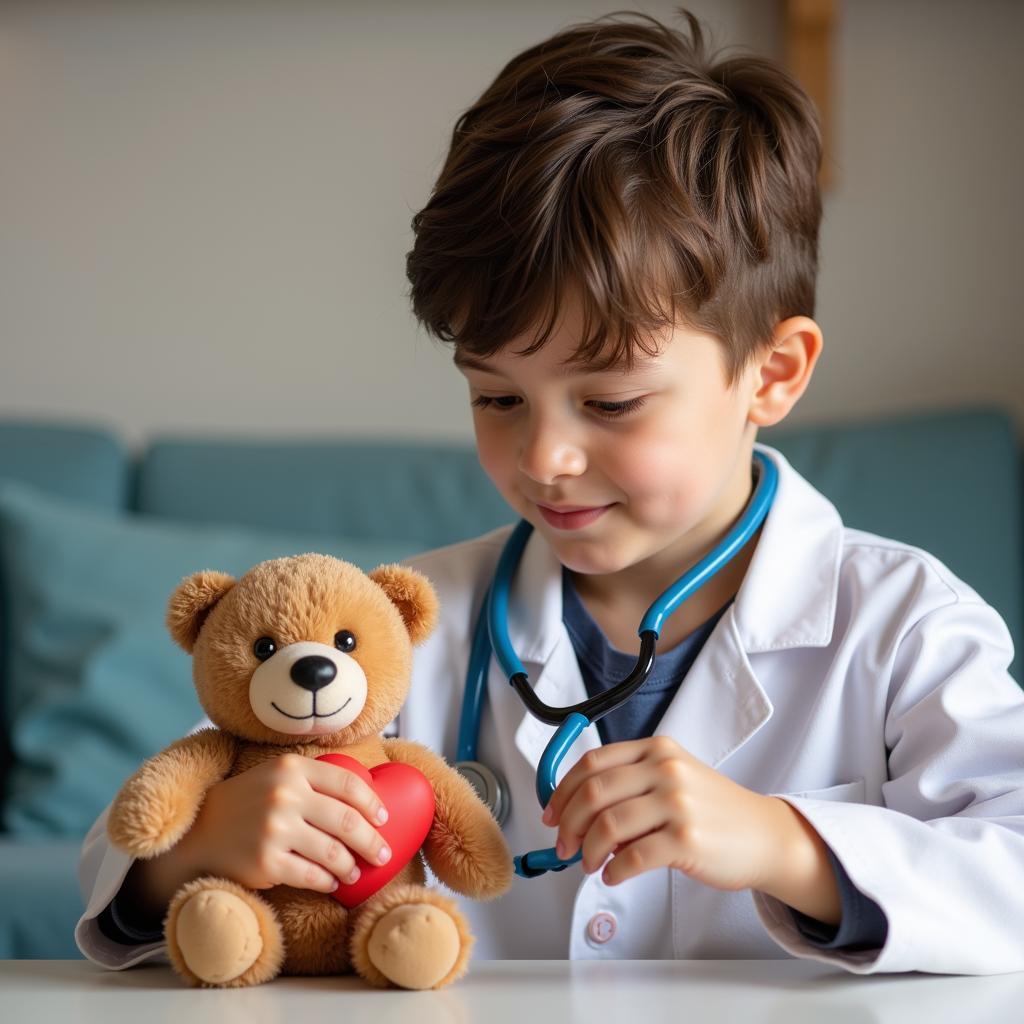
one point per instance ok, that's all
(101, 872)
(944, 855)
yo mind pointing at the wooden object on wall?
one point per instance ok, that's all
(808, 30)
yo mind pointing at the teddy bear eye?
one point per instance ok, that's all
(264, 648)
(345, 641)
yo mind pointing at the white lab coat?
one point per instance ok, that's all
(856, 676)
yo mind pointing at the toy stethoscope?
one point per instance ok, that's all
(491, 634)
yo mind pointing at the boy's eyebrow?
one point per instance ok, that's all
(468, 362)
(464, 360)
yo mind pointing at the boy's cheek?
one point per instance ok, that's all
(495, 462)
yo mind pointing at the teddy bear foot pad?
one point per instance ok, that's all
(222, 935)
(411, 937)
(414, 946)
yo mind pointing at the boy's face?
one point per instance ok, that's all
(618, 470)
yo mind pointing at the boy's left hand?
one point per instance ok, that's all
(653, 804)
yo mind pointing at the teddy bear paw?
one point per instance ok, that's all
(415, 945)
(218, 936)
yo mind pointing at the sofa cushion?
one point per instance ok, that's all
(95, 683)
(41, 899)
(84, 464)
(947, 482)
(432, 494)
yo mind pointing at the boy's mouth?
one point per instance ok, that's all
(571, 517)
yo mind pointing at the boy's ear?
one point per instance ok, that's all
(784, 370)
(191, 602)
(412, 594)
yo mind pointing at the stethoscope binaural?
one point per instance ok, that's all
(491, 633)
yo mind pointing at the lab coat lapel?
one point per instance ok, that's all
(720, 704)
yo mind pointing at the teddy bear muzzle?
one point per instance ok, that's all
(308, 688)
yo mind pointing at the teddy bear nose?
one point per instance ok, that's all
(313, 672)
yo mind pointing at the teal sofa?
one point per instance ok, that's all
(94, 536)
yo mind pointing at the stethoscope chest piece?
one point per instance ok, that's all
(489, 786)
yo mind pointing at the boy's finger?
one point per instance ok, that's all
(328, 852)
(300, 873)
(619, 826)
(614, 755)
(597, 795)
(342, 828)
(644, 854)
(333, 780)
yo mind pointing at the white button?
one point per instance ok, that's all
(601, 927)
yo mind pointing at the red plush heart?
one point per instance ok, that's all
(409, 798)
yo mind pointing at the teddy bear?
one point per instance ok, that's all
(310, 655)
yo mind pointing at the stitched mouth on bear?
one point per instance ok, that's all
(313, 714)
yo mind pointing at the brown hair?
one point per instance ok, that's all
(619, 158)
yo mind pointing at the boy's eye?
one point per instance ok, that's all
(501, 402)
(610, 410)
(613, 409)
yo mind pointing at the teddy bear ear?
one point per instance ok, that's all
(412, 594)
(192, 601)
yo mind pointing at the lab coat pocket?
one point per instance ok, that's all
(843, 793)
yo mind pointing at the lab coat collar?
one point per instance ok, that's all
(787, 600)
(788, 595)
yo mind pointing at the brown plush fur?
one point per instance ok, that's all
(309, 598)
(159, 803)
(191, 603)
(468, 859)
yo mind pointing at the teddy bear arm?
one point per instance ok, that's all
(464, 848)
(158, 804)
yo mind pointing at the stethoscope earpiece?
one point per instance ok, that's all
(489, 786)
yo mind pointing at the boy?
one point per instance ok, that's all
(826, 761)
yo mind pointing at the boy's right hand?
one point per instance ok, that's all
(291, 820)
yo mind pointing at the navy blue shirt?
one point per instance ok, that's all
(604, 667)
(862, 924)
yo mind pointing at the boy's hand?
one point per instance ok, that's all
(291, 820)
(652, 804)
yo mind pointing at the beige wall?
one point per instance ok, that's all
(204, 207)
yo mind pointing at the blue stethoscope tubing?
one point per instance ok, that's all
(491, 634)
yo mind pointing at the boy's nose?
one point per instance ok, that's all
(545, 457)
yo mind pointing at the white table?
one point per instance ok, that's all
(519, 991)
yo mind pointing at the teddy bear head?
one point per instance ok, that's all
(303, 649)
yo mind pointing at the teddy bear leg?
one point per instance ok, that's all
(315, 929)
(411, 937)
(221, 935)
